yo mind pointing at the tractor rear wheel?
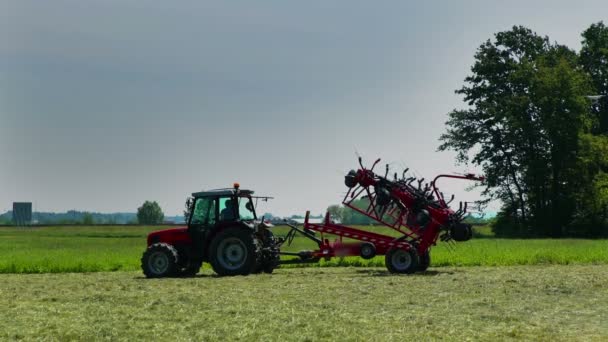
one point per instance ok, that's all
(234, 251)
(159, 260)
(401, 261)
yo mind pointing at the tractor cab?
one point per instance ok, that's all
(221, 207)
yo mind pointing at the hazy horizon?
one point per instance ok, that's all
(106, 104)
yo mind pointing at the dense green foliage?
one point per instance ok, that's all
(150, 213)
(346, 215)
(528, 303)
(87, 219)
(535, 133)
(93, 249)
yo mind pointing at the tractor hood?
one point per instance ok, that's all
(171, 236)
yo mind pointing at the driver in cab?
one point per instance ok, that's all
(228, 213)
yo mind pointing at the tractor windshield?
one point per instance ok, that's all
(246, 211)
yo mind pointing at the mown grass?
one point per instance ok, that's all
(540, 303)
(94, 249)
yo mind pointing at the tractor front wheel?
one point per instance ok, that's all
(401, 261)
(234, 251)
(159, 260)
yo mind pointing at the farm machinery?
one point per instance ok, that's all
(224, 230)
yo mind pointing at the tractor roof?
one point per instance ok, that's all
(223, 192)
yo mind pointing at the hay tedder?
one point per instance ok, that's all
(223, 229)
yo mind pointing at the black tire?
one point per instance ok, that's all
(234, 251)
(266, 266)
(383, 195)
(269, 257)
(190, 270)
(367, 250)
(425, 261)
(160, 260)
(350, 180)
(461, 232)
(269, 268)
(401, 261)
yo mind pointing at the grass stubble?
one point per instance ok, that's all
(545, 290)
(547, 302)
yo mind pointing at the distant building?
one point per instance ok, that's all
(22, 213)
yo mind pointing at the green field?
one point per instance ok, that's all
(93, 249)
(540, 303)
(532, 296)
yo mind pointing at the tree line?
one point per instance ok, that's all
(148, 213)
(534, 123)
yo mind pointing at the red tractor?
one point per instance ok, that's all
(223, 229)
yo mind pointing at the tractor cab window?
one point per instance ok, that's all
(227, 209)
(204, 212)
(246, 211)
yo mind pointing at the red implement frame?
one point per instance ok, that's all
(401, 213)
(338, 248)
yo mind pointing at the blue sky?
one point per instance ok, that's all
(105, 104)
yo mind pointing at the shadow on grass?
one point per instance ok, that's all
(386, 273)
(198, 276)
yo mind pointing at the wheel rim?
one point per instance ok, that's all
(158, 262)
(232, 253)
(366, 251)
(401, 260)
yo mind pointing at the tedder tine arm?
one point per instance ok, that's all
(305, 233)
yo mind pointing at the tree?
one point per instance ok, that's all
(87, 219)
(526, 113)
(349, 216)
(594, 60)
(591, 216)
(150, 213)
(336, 211)
(5, 220)
(558, 92)
(592, 213)
(496, 124)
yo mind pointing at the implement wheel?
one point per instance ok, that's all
(367, 250)
(159, 260)
(234, 251)
(401, 261)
